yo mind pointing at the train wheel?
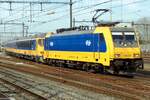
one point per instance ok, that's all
(115, 70)
(37, 59)
(85, 67)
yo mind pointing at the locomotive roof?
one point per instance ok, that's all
(72, 32)
(122, 29)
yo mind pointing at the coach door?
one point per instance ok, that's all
(40, 47)
(100, 46)
(96, 46)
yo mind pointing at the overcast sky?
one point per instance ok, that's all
(55, 16)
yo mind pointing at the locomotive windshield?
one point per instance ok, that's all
(124, 39)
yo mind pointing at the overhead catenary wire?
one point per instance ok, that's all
(79, 11)
(6, 1)
(17, 12)
(127, 4)
(34, 14)
(57, 7)
(98, 4)
(85, 7)
(33, 2)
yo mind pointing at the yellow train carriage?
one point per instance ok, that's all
(26, 48)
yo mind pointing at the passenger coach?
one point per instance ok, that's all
(29, 48)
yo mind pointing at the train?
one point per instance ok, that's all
(102, 48)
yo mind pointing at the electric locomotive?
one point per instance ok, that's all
(104, 48)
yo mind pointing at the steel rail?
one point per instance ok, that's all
(86, 86)
(3, 97)
(22, 89)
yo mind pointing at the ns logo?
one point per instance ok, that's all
(51, 44)
(88, 42)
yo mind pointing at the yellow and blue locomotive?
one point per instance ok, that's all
(103, 48)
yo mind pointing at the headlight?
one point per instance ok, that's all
(117, 55)
(136, 55)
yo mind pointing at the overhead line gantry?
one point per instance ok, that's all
(35, 2)
(40, 2)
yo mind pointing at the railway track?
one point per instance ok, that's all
(4, 97)
(18, 85)
(43, 89)
(116, 86)
(146, 57)
(70, 82)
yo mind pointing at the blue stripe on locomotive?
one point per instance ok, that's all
(78, 42)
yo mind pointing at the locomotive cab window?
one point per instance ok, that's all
(124, 39)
